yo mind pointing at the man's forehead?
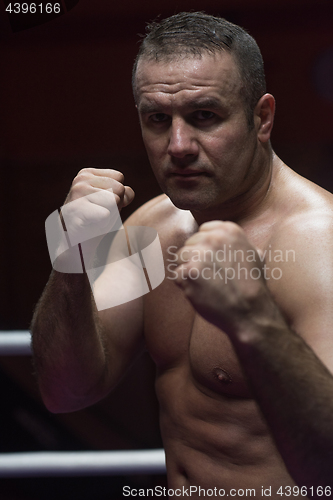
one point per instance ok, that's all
(212, 72)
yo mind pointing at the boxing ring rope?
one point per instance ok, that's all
(82, 463)
(15, 343)
(93, 463)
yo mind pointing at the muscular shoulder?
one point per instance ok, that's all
(307, 214)
(301, 249)
(154, 211)
(170, 222)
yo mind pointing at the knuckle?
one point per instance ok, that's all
(85, 170)
(81, 177)
(77, 190)
(232, 227)
(114, 174)
(118, 189)
(215, 238)
(120, 176)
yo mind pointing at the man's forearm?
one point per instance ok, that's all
(67, 340)
(295, 393)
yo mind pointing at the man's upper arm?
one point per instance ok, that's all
(304, 292)
(121, 280)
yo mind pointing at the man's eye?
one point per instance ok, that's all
(204, 115)
(159, 117)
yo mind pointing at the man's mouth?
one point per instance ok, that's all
(187, 173)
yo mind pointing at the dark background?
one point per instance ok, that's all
(66, 103)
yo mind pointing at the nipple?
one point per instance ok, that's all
(222, 375)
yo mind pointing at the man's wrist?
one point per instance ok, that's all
(256, 320)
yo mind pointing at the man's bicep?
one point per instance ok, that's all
(306, 297)
(121, 322)
(121, 286)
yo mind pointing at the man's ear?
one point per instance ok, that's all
(264, 117)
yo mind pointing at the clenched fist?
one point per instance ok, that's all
(220, 272)
(93, 203)
(91, 210)
(93, 180)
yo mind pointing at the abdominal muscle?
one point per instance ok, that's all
(216, 442)
(213, 432)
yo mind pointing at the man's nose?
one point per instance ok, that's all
(182, 140)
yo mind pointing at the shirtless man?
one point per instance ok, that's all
(224, 343)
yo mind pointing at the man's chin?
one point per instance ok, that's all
(188, 203)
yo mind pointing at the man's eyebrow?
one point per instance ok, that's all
(195, 104)
(148, 107)
(205, 102)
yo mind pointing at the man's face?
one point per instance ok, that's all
(195, 129)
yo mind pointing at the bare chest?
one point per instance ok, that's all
(176, 335)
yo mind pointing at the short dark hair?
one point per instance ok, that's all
(192, 33)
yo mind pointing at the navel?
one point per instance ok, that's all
(222, 375)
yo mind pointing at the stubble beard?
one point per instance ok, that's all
(200, 199)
